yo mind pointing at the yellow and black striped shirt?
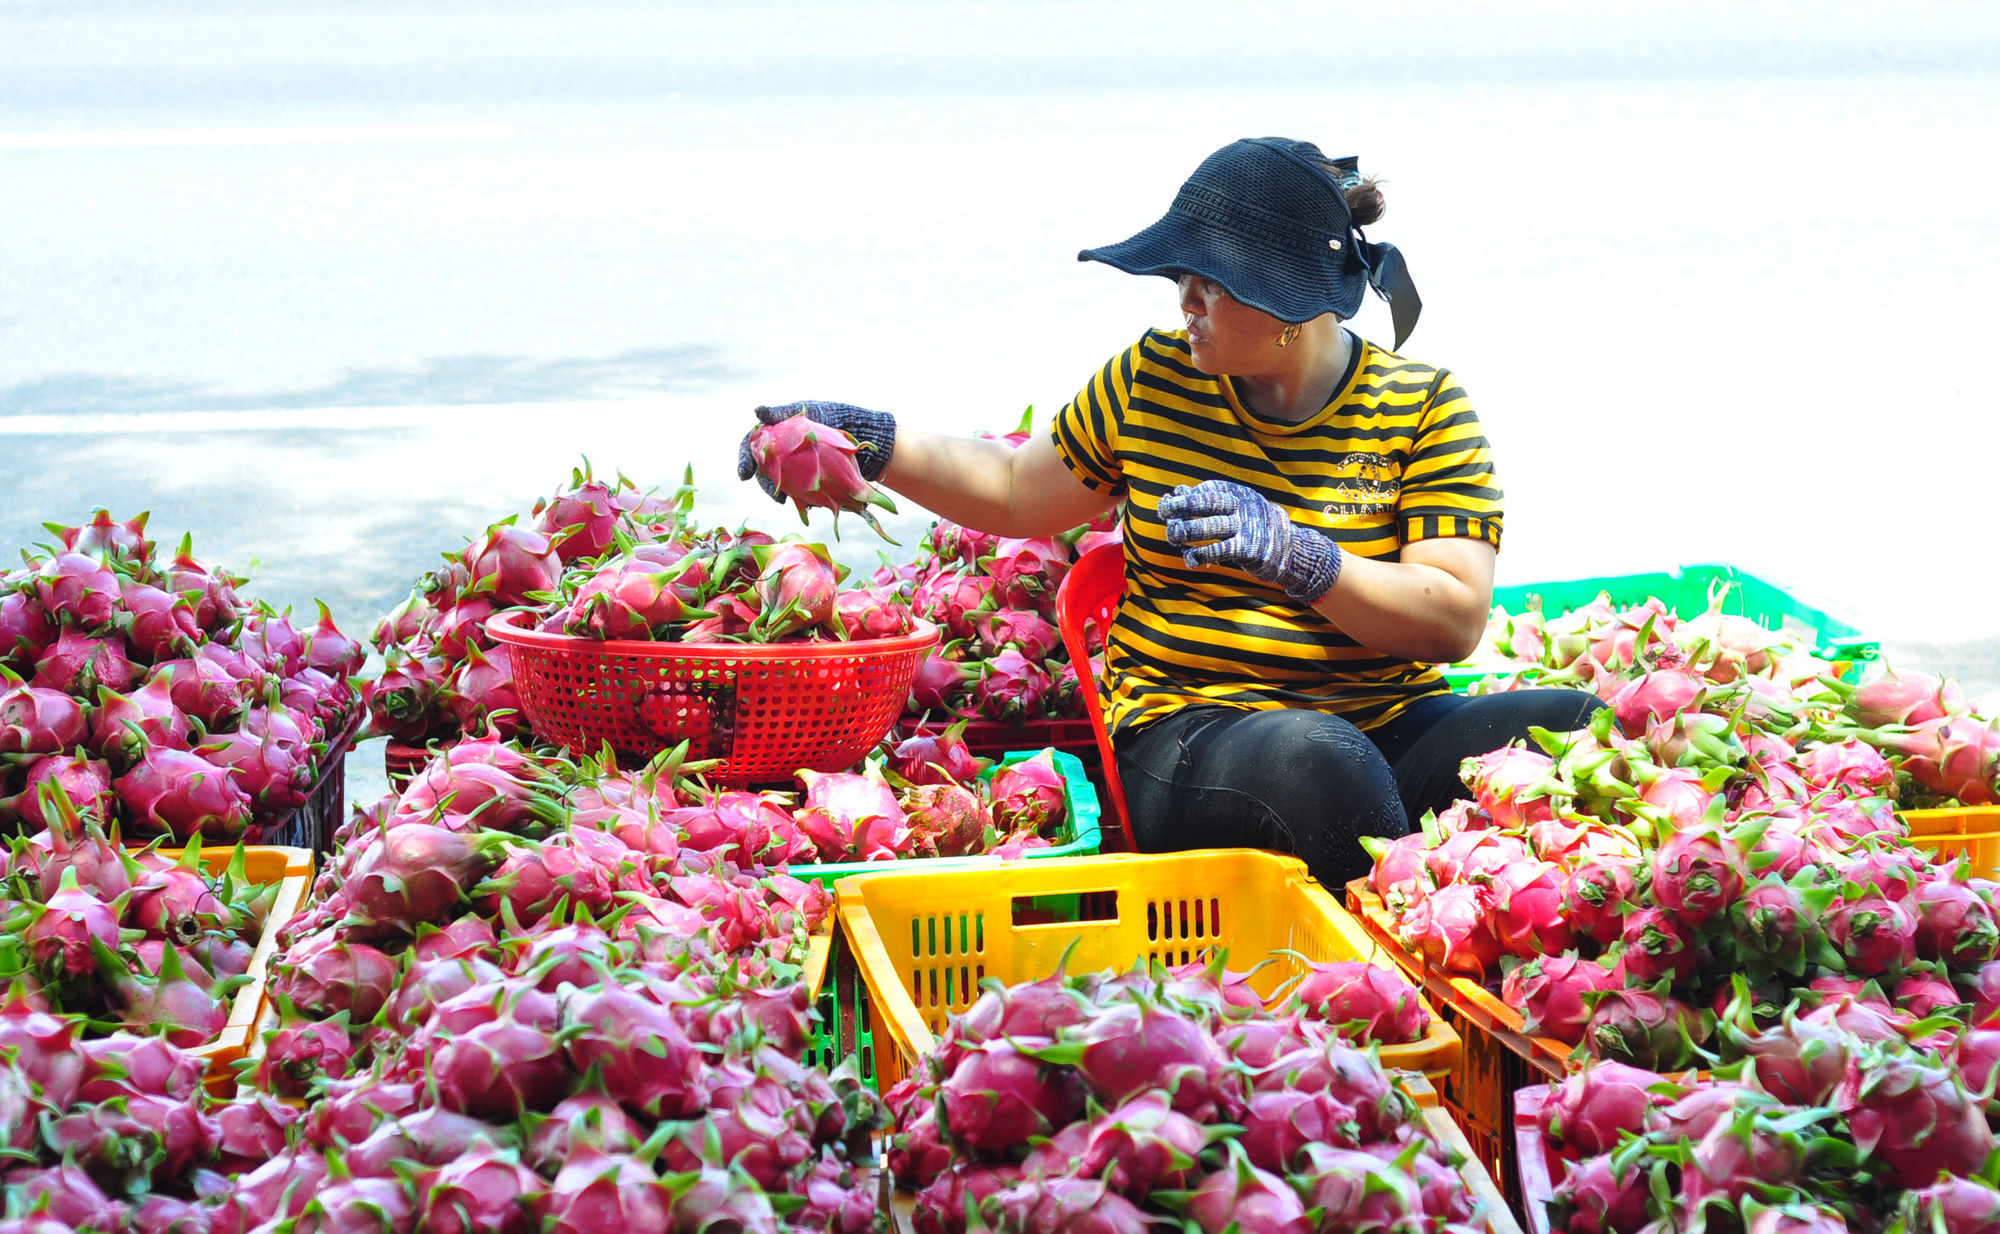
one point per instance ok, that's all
(1397, 456)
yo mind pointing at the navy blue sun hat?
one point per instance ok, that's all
(1262, 217)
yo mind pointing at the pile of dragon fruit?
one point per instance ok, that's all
(154, 697)
(1830, 1124)
(1174, 1098)
(116, 1133)
(602, 561)
(1731, 810)
(541, 995)
(138, 940)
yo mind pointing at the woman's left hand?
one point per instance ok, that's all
(1222, 523)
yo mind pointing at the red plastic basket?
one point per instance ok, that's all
(765, 710)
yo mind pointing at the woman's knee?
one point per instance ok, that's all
(1264, 748)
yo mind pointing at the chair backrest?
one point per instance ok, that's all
(1090, 593)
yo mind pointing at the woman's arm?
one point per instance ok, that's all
(991, 487)
(1431, 606)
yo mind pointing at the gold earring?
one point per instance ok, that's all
(1286, 335)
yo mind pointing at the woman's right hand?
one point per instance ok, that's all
(874, 430)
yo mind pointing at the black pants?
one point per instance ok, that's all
(1308, 783)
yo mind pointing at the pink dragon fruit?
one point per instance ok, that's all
(1453, 928)
(34, 720)
(216, 605)
(357, 1206)
(852, 817)
(1953, 1205)
(78, 590)
(1954, 923)
(1013, 688)
(1026, 573)
(1873, 934)
(416, 872)
(1658, 944)
(1549, 992)
(1350, 1189)
(508, 564)
(270, 641)
(1400, 874)
(997, 1097)
(1657, 695)
(62, 1194)
(484, 1192)
(627, 600)
(1924, 996)
(1024, 630)
(1141, 1146)
(946, 820)
(586, 1119)
(1242, 1197)
(66, 928)
(1083, 1206)
(1594, 1107)
(1527, 909)
(1511, 784)
(104, 536)
(1910, 699)
(1467, 856)
(178, 902)
(871, 612)
(952, 598)
(1595, 897)
(940, 685)
(463, 794)
(169, 1004)
(499, 1069)
(325, 974)
(79, 663)
(955, 543)
(1850, 766)
(531, 879)
(158, 626)
(271, 776)
(1028, 796)
(925, 757)
(330, 651)
(204, 691)
(1697, 873)
(796, 586)
(1773, 922)
(596, 1193)
(1649, 1029)
(581, 522)
(1958, 757)
(813, 464)
(1914, 1116)
(76, 778)
(1799, 1061)
(183, 795)
(482, 694)
(1348, 992)
(126, 726)
(25, 631)
(646, 1057)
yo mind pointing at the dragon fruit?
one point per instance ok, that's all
(34, 720)
(1511, 784)
(125, 727)
(1595, 1106)
(357, 1206)
(1914, 1116)
(1013, 687)
(1952, 1205)
(178, 902)
(1957, 757)
(940, 684)
(1924, 996)
(63, 1194)
(1345, 992)
(414, 873)
(1080, 1205)
(1954, 923)
(508, 565)
(326, 974)
(1453, 928)
(1658, 695)
(852, 817)
(1399, 874)
(1909, 699)
(1028, 796)
(871, 612)
(271, 775)
(330, 651)
(646, 1057)
(1242, 1197)
(1470, 856)
(1549, 992)
(1698, 873)
(77, 779)
(1595, 897)
(813, 464)
(1773, 922)
(169, 1004)
(955, 543)
(1024, 630)
(598, 1193)
(204, 691)
(463, 794)
(1658, 944)
(946, 820)
(482, 696)
(1527, 909)
(1649, 1029)
(530, 880)
(64, 929)
(1872, 933)
(24, 629)
(79, 663)
(499, 1069)
(586, 1119)
(1350, 1189)
(158, 626)
(581, 522)
(628, 600)
(184, 795)
(796, 586)
(484, 1192)
(78, 590)
(998, 1096)
(950, 598)
(925, 757)
(1027, 573)
(1851, 766)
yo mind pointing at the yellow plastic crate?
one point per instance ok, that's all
(291, 869)
(1969, 831)
(924, 941)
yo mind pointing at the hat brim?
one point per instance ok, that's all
(1178, 245)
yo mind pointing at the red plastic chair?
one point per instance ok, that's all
(1090, 593)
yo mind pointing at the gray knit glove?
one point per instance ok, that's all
(1222, 523)
(875, 431)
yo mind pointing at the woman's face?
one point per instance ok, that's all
(1225, 335)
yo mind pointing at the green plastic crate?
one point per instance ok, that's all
(1686, 592)
(844, 1028)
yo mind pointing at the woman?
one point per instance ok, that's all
(1310, 523)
